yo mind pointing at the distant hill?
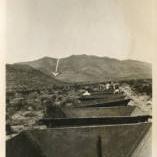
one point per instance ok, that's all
(24, 76)
(78, 68)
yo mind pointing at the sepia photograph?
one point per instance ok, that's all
(78, 78)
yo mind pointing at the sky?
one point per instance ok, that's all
(59, 28)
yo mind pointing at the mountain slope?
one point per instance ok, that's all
(92, 68)
(24, 76)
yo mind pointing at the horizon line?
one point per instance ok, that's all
(35, 59)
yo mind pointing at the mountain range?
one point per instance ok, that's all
(26, 77)
(82, 68)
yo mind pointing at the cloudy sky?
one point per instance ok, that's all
(58, 28)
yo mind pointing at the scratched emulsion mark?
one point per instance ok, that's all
(56, 70)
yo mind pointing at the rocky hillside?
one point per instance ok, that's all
(24, 76)
(92, 68)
